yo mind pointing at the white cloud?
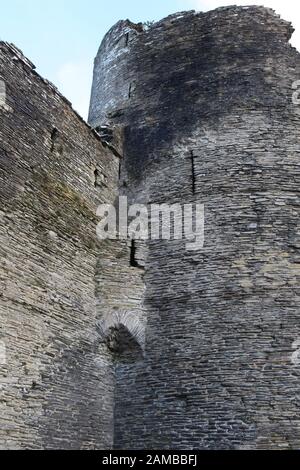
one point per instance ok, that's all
(74, 80)
(288, 10)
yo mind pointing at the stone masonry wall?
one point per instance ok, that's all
(205, 102)
(56, 376)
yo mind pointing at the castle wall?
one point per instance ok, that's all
(57, 380)
(205, 101)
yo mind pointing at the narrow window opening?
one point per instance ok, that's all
(55, 134)
(133, 258)
(99, 179)
(133, 262)
(193, 172)
(96, 176)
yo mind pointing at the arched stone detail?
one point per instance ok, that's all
(124, 334)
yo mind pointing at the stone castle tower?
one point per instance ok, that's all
(204, 103)
(145, 344)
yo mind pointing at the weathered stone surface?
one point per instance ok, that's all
(205, 101)
(148, 345)
(57, 379)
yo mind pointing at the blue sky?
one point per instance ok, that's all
(61, 37)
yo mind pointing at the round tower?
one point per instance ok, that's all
(205, 102)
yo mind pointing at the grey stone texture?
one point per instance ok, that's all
(204, 101)
(146, 345)
(56, 379)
